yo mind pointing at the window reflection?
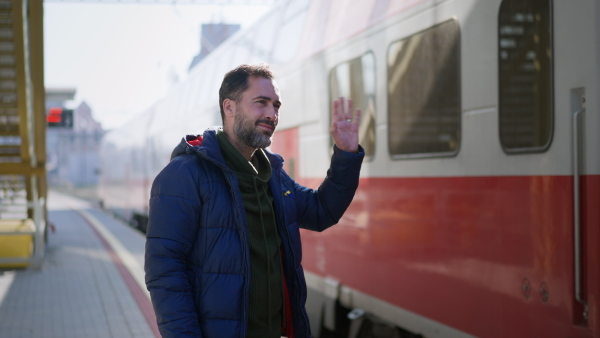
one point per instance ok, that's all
(525, 75)
(355, 79)
(424, 96)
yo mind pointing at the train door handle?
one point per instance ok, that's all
(577, 211)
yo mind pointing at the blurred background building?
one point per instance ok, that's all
(72, 141)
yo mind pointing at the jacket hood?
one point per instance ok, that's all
(186, 142)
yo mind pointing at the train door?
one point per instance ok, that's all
(577, 127)
(548, 109)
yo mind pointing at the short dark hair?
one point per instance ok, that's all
(235, 82)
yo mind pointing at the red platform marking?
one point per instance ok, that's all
(136, 291)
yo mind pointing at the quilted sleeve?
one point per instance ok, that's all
(320, 209)
(172, 227)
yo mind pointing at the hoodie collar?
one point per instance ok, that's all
(258, 166)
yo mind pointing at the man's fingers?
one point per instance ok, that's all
(357, 117)
(349, 114)
(341, 113)
(337, 114)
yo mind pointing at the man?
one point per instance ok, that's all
(223, 247)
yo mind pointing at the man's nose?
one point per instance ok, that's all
(272, 113)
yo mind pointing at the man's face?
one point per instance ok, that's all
(257, 113)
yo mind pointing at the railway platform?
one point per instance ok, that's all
(90, 283)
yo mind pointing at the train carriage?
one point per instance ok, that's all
(477, 212)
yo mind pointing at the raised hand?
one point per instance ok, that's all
(344, 126)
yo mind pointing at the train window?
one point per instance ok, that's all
(355, 79)
(525, 75)
(424, 96)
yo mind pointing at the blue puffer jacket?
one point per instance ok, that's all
(197, 253)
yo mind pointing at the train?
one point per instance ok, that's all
(478, 210)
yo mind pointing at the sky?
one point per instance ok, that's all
(122, 58)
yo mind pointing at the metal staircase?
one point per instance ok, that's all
(23, 189)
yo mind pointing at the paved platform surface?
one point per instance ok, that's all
(90, 284)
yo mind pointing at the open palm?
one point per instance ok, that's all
(344, 126)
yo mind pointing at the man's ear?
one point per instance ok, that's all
(229, 107)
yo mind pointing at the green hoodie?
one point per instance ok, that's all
(266, 286)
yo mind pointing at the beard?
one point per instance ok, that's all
(245, 129)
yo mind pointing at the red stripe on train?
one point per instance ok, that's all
(459, 250)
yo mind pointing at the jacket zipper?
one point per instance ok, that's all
(228, 175)
(245, 244)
